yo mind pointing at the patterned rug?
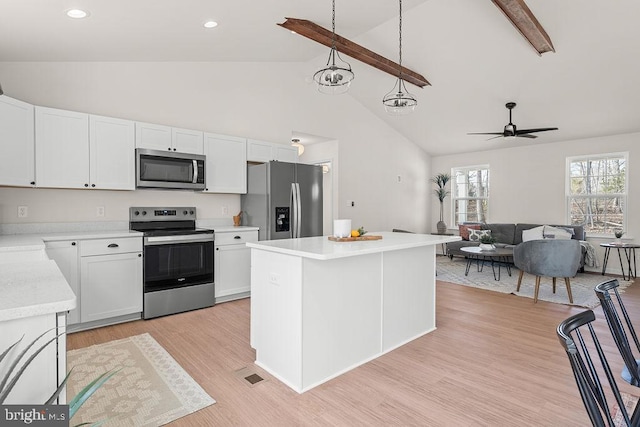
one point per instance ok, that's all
(151, 389)
(581, 286)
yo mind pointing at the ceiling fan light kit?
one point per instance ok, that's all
(399, 101)
(334, 78)
(511, 131)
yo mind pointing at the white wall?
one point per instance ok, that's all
(256, 100)
(527, 183)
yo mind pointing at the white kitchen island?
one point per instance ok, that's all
(320, 308)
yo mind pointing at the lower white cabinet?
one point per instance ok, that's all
(65, 254)
(232, 264)
(110, 277)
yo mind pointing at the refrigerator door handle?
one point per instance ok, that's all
(294, 209)
(298, 212)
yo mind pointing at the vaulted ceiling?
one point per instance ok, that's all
(474, 58)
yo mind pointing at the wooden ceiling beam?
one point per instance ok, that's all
(526, 23)
(321, 35)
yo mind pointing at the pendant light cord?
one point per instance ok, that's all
(400, 41)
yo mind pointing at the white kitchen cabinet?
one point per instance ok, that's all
(226, 166)
(110, 278)
(112, 153)
(65, 254)
(232, 264)
(187, 141)
(285, 153)
(166, 138)
(62, 148)
(17, 162)
(263, 151)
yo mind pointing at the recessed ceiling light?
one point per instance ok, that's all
(77, 13)
(210, 24)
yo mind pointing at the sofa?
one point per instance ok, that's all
(509, 235)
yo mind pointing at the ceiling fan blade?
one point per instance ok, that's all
(523, 131)
(485, 133)
(526, 135)
(499, 136)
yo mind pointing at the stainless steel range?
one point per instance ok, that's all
(178, 260)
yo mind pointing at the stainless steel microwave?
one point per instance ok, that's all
(171, 170)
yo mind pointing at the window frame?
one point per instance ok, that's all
(624, 196)
(454, 199)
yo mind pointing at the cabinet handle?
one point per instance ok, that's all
(86, 185)
(139, 255)
(113, 245)
(32, 183)
(73, 243)
(93, 185)
(237, 237)
(169, 148)
(217, 249)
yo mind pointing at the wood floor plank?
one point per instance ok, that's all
(494, 360)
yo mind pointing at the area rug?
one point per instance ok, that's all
(581, 286)
(151, 389)
(630, 402)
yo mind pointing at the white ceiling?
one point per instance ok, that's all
(474, 58)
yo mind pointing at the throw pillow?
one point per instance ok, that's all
(536, 233)
(475, 235)
(555, 233)
(464, 230)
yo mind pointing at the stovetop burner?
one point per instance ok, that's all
(164, 221)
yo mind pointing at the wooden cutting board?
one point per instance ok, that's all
(353, 239)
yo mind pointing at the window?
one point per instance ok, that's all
(597, 192)
(470, 193)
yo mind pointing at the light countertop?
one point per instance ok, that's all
(322, 248)
(232, 228)
(33, 288)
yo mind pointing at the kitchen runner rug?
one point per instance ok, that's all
(581, 286)
(151, 389)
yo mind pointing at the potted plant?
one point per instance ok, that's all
(487, 242)
(441, 180)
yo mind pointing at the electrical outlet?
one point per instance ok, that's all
(100, 211)
(351, 203)
(23, 211)
(225, 210)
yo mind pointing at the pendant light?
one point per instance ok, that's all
(295, 142)
(399, 101)
(334, 78)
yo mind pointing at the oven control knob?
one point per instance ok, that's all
(191, 212)
(144, 213)
(184, 212)
(136, 213)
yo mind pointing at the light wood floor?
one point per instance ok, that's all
(493, 361)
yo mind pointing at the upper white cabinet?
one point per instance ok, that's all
(76, 150)
(62, 148)
(17, 164)
(187, 141)
(226, 166)
(112, 159)
(263, 151)
(166, 138)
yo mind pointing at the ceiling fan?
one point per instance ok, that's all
(510, 129)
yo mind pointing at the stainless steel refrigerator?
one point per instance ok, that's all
(284, 200)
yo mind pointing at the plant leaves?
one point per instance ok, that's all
(88, 390)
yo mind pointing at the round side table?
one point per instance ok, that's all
(629, 250)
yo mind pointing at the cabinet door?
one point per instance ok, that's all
(154, 137)
(62, 148)
(111, 285)
(65, 254)
(226, 164)
(259, 151)
(17, 162)
(187, 141)
(284, 153)
(232, 270)
(112, 153)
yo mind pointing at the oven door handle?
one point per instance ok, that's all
(163, 240)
